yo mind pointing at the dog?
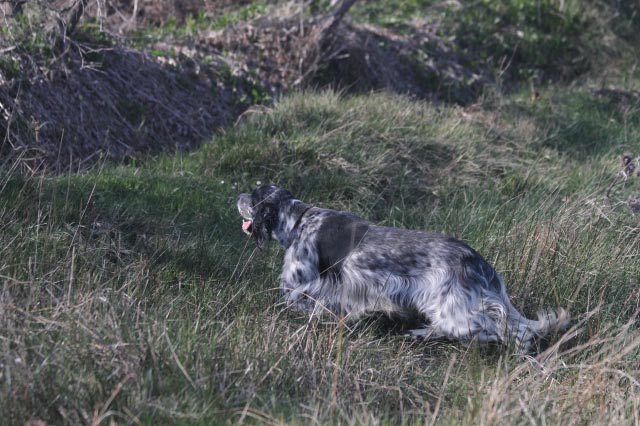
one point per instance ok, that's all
(338, 262)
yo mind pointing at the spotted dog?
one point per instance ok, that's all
(338, 262)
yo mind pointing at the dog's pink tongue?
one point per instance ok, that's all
(246, 224)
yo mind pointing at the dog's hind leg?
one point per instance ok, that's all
(458, 315)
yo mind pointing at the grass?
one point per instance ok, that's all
(520, 40)
(197, 24)
(129, 293)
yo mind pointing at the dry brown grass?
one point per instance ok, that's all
(129, 294)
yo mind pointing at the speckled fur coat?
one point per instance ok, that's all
(339, 263)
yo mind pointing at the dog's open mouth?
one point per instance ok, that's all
(246, 226)
(246, 212)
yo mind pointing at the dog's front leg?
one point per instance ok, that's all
(299, 279)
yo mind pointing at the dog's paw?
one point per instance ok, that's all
(423, 333)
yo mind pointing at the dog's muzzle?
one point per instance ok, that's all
(246, 211)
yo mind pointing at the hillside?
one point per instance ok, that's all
(130, 295)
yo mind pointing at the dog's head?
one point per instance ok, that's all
(260, 211)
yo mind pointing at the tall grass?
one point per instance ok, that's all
(129, 293)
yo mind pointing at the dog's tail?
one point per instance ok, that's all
(527, 332)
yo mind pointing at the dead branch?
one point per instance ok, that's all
(75, 15)
(70, 21)
(332, 22)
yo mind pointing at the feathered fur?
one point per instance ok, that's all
(338, 262)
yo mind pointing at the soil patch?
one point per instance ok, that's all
(120, 105)
(288, 53)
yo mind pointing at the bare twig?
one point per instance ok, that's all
(73, 17)
(336, 17)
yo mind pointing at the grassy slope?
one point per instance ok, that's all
(130, 292)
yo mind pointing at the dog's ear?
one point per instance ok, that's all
(265, 220)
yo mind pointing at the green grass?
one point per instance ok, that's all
(130, 292)
(519, 40)
(193, 25)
